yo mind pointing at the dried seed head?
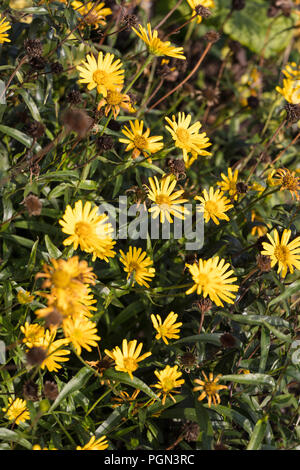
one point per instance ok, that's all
(50, 390)
(74, 97)
(263, 263)
(30, 391)
(130, 21)
(78, 121)
(33, 47)
(202, 11)
(292, 112)
(227, 340)
(273, 11)
(211, 95)
(188, 360)
(54, 319)
(37, 63)
(253, 102)
(177, 168)
(56, 67)
(203, 305)
(36, 356)
(212, 36)
(241, 187)
(33, 205)
(285, 6)
(104, 143)
(35, 129)
(190, 431)
(238, 4)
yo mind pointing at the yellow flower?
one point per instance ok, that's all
(114, 101)
(156, 46)
(210, 388)
(102, 73)
(139, 265)
(141, 142)
(229, 183)
(93, 14)
(24, 297)
(167, 381)
(81, 332)
(211, 279)
(33, 334)
(88, 230)
(188, 138)
(288, 180)
(127, 360)
(261, 230)
(95, 444)
(204, 3)
(55, 354)
(287, 255)
(291, 84)
(214, 205)
(168, 328)
(4, 26)
(16, 410)
(166, 203)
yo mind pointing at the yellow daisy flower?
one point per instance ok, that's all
(204, 3)
(288, 180)
(291, 84)
(81, 332)
(94, 16)
(127, 360)
(114, 101)
(103, 73)
(4, 26)
(166, 203)
(95, 444)
(210, 388)
(260, 230)
(17, 410)
(168, 379)
(55, 354)
(138, 265)
(229, 183)
(89, 230)
(156, 46)
(141, 142)
(211, 279)
(187, 137)
(214, 205)
(24, 297)
(33, 334)
(167, 329)
(287, 255)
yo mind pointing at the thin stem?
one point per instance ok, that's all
(22, 61)
(168, 14)
(137, 75)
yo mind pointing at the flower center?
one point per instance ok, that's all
(167, 384)
(281, 252)
(182, 135)
(211, 207)
(82, 229)
(211, 388)
(61, 279)
(101, 77)
(289, 182)
(162, 199)
(140, 142)
(202, 279)
(114, 98)
(130, 364)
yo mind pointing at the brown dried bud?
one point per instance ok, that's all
(104, 143)
(74, 97)
(292, 112)
(238, 4)
(177, 168)
(294, 388)
(37, 63)
(203, 305)
(50, 390)
(253, 102)
(78, 121)
(285, 6)
(202, 11)
(56, 67)
(33, 205)
(35, 129)
(211, 95)
(212, 36)
(188, 361)
(263, 263)
(30, 391)
(227, 340)
(273, 11)
(54, 319)
(130, 21)
(36, 356)
(241, 187)
(33, 47)
(190, 431)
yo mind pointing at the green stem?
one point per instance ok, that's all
(139, 73)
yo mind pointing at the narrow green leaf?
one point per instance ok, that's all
(255, 319)
(76, 383)
(112, 421)
(135, 382)
(32, 258)
(285, 338)
(235, 416)
(211, 338)
(258, 434)
(264, 349)
(249, 379)
(288, 292)
(53, 251)
(11, 436)
(16, 134)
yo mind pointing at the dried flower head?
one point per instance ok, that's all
(190, 431)
(263, 263)
(56, 67)
(33, 47)
(212, 36)
(30, 391)
(104, 143)
(35, 129)
(228, 340)
(33, 205)
(74, 97)
(50, 390)
(35, 356)
(77, 120)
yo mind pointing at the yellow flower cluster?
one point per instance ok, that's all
(291, 84)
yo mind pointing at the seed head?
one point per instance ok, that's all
(50, 390)
(77, 120)
(36, 356)
(33, 205)
(33, 47)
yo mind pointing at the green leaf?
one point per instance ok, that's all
(235, 416)
(113, 420)
(135, 382)
(285, 338)
(129, 312)
(53, 251)
(16, 134)
(249, 379)
(256, 319)
(212, 338)
(258, 434)
(205, 425)
(76, 383)
(11, 436)
(264, 348)
(288, 292)
(32, 258)
(30, 104)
